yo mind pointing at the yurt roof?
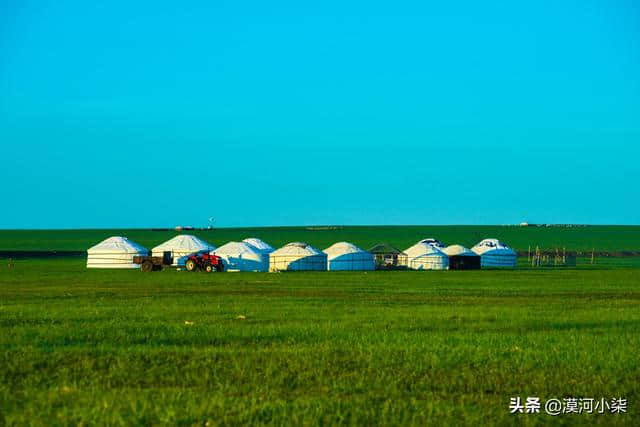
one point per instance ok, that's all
(185, 242)
(258, 243)
(421, 249)
(117, 244)
(385, 248)
(433, 242)
(235, 248)
(494, 245)
(342, 248)
(297, 248)
(458, 250)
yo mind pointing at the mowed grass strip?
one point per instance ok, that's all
(377, 348)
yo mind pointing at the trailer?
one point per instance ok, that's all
(198, 261)
(151, 263)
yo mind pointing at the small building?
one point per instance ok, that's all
(461, 258)
(297, 256)
(346, 256)
(387, 257)
(115, 252)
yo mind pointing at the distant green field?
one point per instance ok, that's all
(603, 238)
(102, 347)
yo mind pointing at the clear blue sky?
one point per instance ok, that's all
(280, 113)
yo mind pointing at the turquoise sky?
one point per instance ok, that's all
(136, 114)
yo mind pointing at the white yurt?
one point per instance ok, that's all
(180, 247)
(458, 250)
(424, 256)
(297, 256)
(241, 256)
(261, 245)
(114, 252)
(494, 253)
(461, 258)
(347, 256)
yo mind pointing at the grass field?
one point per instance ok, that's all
(377, 348)
(603, 238)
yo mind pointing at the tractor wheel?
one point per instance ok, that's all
(146, 266)
(208, 267)
(191, 265)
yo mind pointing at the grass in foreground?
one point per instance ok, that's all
(384, 348)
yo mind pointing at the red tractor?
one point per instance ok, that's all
(204, 261)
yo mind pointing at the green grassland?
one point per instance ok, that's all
(89, 347)
(603, 238)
